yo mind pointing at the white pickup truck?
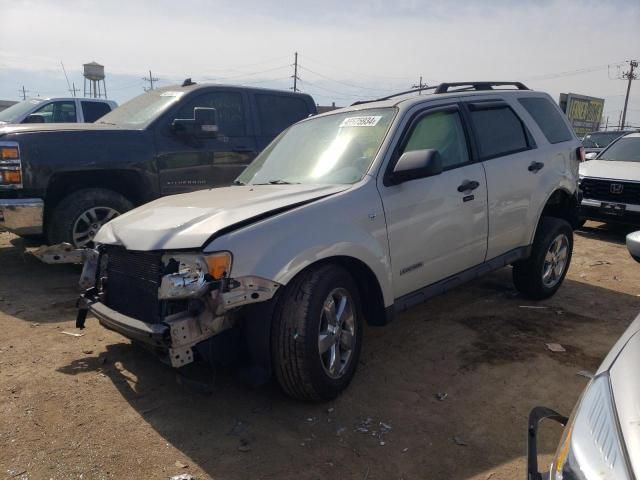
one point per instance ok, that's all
(345, 219)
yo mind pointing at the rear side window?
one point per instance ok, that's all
(548, 118)
(277, 112)
(92, 111)
(498, 131)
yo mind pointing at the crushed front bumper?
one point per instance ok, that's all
(22, 216)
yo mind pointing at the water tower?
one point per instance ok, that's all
(94, 74)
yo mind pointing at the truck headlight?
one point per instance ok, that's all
(189, 275)
(590, 447)
(10, 165)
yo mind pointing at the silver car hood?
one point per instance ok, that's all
(623, 362)
(611, 169)
(189, 220)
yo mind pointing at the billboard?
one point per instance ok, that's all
(583, 112)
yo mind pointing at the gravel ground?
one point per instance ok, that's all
(96, 406)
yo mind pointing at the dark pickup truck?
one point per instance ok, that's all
(66, 180)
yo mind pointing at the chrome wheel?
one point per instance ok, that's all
(555, 261)
(337, 334)
(89, 222)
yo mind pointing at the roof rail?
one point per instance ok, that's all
(444, 87)
(413, 90)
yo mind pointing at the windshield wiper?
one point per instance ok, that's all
(106, 123)
(238, 182)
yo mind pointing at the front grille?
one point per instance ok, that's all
(598, 189)
(133, 279)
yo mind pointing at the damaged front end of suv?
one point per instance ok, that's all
(170, 301)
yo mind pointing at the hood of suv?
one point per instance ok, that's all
(189, 220)
(609, 169)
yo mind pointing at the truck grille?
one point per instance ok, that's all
(598, 189)
(133, 279)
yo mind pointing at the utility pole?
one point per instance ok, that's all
(150, 80)
(23, 92)
(420, 86)
(630, 76)
(295, 72)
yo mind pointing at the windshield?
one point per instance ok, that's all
(626, 149)
(600, 140)
(142, 110)
(14, 113)
(337, 148)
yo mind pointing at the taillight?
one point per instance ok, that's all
(580, 154)
(10, 165)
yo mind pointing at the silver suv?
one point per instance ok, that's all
(344, 219)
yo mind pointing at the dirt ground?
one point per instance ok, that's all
(97, 407)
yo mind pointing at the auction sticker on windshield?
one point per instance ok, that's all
(368, 121)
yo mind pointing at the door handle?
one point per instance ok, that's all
(535, 167)
(242, 150)
(468, 185)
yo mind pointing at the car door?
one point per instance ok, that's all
(186, 164)
(505, 146)
(436, 226)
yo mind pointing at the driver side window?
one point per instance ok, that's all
(230, 108)
(58, 112)
(440, 131)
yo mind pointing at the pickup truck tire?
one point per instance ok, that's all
(540, 276)
(100, 205)
(317, 319)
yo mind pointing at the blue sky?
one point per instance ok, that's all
(347, 50)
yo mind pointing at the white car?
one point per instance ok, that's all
(56, 110)
(345, 218)
(610, 183)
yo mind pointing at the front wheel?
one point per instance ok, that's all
(317, 334)
(541, 275)
(79, 216)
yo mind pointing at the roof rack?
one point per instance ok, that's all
(444, 88)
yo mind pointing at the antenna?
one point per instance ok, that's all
(65, 76)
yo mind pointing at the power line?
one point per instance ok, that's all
(352, 85)
(23, 92)
(248, 74)
(568, 73)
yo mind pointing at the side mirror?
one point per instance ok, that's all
(633, 245)
(204, 124)
(33, 118)
(591, 155)
(417, 164)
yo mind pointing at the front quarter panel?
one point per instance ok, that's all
(349, 224)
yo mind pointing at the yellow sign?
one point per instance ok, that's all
(583, 112)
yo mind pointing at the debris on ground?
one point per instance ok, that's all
(378, 431)
(534, 307)
(459, 441)
(555, 347)
(179, 464)
(244, 446)
(405, 449)
(585, 374)
(330, 410)
(35, 324)
(73, 334)
(599, 262)
(441, 396)
(340, 431)
(183, 476)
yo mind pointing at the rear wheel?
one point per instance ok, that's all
(541, 275)
(317, 334)
(79, 216)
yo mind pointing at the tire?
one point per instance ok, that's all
(300, 322)
(69, 218)
(540, 276)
